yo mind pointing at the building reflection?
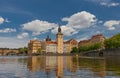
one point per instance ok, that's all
(50, 64)
(60, 66)
(36, 63)
(55, 65)
(97, 66)
(72, 64)
(113, 64)
(47, 63)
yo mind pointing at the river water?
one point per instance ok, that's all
(59, 67)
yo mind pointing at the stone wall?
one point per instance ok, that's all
(107, 52)
(111, 52)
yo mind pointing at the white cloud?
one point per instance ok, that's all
(7, 30)
(38, 26)
(12, 42)
(112, 4)
(76, 22)
(108, 3)
(80, 20)
(111, 24)
(23, 35)
(1, 20)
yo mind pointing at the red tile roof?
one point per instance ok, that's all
(51, 42)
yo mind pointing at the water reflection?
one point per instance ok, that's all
(35, 64)
(67, 66)
(59, 67)
(52, 65)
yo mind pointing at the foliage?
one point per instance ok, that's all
(113, 42)
(90, 47)
(86, 48)
(23, 50)
(74, 50)
(39, 50)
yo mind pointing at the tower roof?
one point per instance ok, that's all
(48, 38)
(59, 30)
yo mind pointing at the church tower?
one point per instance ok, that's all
(59, 40)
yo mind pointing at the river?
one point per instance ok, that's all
(59, 67)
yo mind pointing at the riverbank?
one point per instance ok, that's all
(105, 52)
(94, 53)
(52, 54)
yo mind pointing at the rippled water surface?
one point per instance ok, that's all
(59, 67)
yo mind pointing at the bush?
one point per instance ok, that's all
(90, 47)
(74, 50)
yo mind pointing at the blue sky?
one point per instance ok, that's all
(23, 20)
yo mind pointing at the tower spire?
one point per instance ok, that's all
(48, 38)
(59, 29)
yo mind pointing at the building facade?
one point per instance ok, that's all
(68, 45)
(84, 43)
(49, 46)
(99, 38)
(34, 46)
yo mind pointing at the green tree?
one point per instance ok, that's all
(113, 42)
(95, 46)
(39, 50)
(83, 48)
(74, 50)
(23, 50)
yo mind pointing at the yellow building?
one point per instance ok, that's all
(49, 46)
(68, 45)
(34, 46)
(99, 38)
(84, 43)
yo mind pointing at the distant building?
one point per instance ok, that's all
(34, 46)
(99, 38)
(49, 46)
(68, 45)
(84, 43)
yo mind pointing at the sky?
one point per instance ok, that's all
(24, 20)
